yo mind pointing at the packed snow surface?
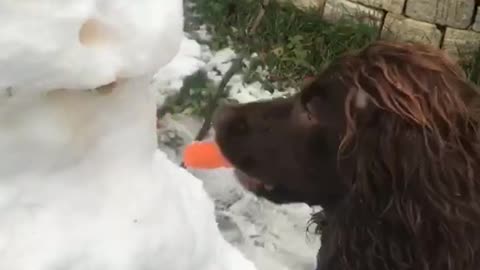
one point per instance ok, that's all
(102, 198)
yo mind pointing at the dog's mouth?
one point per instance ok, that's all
(252, 183)
(275, 193)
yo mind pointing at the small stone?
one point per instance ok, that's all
(395, 6)
(454, 13)
(401, 28)
(461, 43)
(336, 10)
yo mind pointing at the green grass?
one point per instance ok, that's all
(193, 96)
(472, 68)
(290, 42)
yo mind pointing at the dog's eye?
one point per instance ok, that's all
(310, 116)
(307, 99)
(304, 104)
(307, 111)
(306, 116)
(304, 99)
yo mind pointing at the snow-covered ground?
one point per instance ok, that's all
(273, 236)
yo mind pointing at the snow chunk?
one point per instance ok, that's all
(203, 33)
(169, 79)
(71, 44)
(245, 93)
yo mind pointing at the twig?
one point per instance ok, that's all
(258, 19)
(175, 100)
(212, 104)
(236, 66)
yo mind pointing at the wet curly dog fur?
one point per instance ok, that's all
(386, 141)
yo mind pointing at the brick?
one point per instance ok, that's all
(336, 10)
(453, 13)
(395, 6)
(461, 43)
(400, 28)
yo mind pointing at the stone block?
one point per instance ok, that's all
(395, 6)
(305, 4)
(461, 43)
(336, 10)
(400, 28)
(476, 24)
(454, 13)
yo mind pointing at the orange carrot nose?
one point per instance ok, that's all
(204, 155)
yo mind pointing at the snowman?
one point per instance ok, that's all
(82, 186)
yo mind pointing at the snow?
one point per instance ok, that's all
(95, 199)
(194, 57)
(93, 42)
(274, 237)
(169, 79)
(82, 185)
(220, 63)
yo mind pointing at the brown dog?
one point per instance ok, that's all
(386, 141)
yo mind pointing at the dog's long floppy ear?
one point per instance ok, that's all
(324, 98)
(414, 201)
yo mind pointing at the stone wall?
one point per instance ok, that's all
(450, 24)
